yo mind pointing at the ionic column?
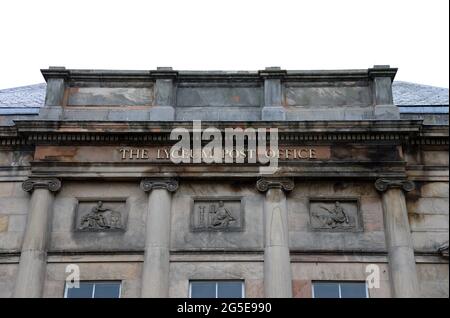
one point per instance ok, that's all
(155, 271)
(402, 263)
(277, 263)
(33, 257)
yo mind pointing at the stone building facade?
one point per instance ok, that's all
(85, 179)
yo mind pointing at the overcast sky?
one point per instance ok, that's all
(224, 35)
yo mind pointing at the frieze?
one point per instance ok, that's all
(335, 214)
(99, 216)
(217, 214)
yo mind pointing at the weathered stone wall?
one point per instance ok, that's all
(164, 224)
(433, 280)
(332, 269)
(249, 238)
(428, 211)
(369, 238)
(216, 268)
(8, 273)
(111, 268)
(270, 94)
(66, 237)
(13, 216)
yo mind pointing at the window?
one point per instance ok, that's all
(216, 289)
(94, 290)
(340, 290)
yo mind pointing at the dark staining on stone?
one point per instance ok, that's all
(416, 194)
(340, 186)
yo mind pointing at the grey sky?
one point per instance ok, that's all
(224, 34)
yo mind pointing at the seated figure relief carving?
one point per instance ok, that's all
(334, 215)
(216, 215)
(101, 218)
(221, 217)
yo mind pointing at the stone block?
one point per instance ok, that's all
(8, 273)
(428, 222)
(435, 189)
(387, 112)
(428, 241)
(330, 96)
(239, 114)
(17, 222)
(219, 96)
(51, 113)
(110, 96)
(10, 241)
(340, 241)
(13, 205)
(162, 113)
(3, 223)
(129, 114)
(197, 113)
(372, 214)
(428, 206)
(301, 288)
(55, 92)
(273, 113)
(435, 157)
(433, 280)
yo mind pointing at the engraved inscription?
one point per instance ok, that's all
(335, 214)
(222, 214)
(100, 216)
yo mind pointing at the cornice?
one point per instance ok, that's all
(150, 75)
(30, 132)
(397, 126)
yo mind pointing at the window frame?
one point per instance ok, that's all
(339, 283)
(94, 282)
(216, 282)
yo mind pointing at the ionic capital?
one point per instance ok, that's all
(383, 184)
(52, 184)
(166, 183)
(265, 184)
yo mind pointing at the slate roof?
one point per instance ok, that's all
(410, 97)
(410, 94)
(23, 96)
(420, 99)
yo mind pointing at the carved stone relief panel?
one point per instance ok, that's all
(335, 214)
(217, 214)
(100, 215)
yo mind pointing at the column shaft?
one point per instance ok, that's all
(155, 271)
(277, 261)
(277, 265)
(402, 264)
(33, 257)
